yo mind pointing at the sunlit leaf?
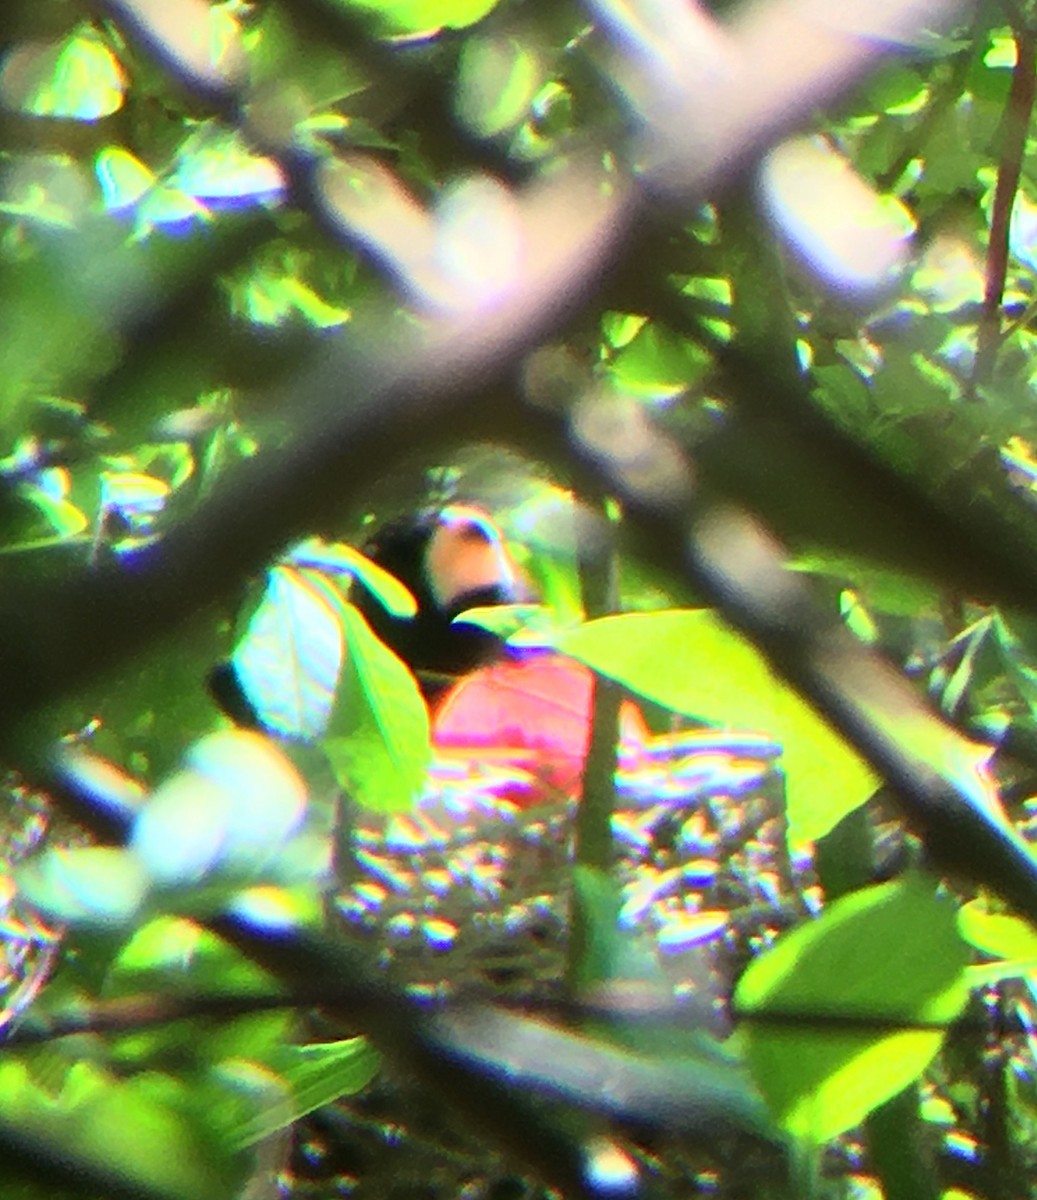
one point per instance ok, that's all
(691, 662)
(851, 238)
(275, 290)
(136, 497)
(124, 179)
(423, 16)
(129, 188)
(79, 78)
(883, 955)
(142, 1130)
(998, 934)
(378, 742)
(521, 624)
(290, 658)
(215, 163)
(497, 79)
(883, 589)
(86, 885)
(233, 806)
(62, 515)
(657, 364)
(341, 558)
(312, 1075)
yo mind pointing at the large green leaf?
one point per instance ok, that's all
(289, 659)
(142, 1130)
(313, 1075)
(378, 740)
(877, 959)
(690, 661)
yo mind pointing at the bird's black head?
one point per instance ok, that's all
(452, 559)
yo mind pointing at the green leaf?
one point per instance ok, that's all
(497, 80)
(880, 956)
(883, 589)
(521, 624)
(289, 660)
(141, 1130)
(79, 78)
(423, 16)
(657, 364)
(64, 517)
(691, 662)
(378, 740)
(997, 934)
(314, 1075)
(395, 597)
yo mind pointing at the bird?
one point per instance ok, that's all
(452, 558)
(528, 708)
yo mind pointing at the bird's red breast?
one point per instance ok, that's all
(533, 713)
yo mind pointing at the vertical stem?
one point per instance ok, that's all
(1015, 124)
(593, 828)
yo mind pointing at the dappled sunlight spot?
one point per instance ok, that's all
(949, 273)
(131, 189)
(45, 190)
(233, 807)
(215, 165)
(1022, 230)
(85, 885)
(99, 781)
(609, 1170)
(272, 909)
(78, 78)
(617, 431)
(1020, 462)
(851, 238)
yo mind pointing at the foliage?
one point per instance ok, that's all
(738, 349)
